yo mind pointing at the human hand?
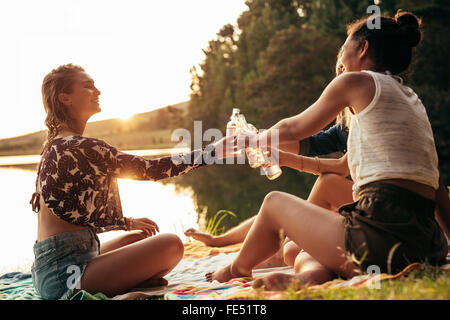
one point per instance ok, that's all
(149, 227)
(275, 155)
(248, 139)
(226, 147)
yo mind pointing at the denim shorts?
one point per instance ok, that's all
(392, 227)
(60, 261)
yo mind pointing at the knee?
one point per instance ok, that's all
(173, 247)
(272, 199)
(326, 179)
(290, 252)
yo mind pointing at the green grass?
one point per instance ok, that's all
(431, 283)
(213, 224)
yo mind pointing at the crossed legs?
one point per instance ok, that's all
(132, 260)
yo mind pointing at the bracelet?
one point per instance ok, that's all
(318, 164)
(130, 224)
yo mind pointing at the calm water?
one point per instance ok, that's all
(172, 208)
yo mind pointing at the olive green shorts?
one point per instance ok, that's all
(391, 227)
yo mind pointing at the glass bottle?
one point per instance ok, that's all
(254, 155)
(233, 123)
(234, 126)
(271, 170)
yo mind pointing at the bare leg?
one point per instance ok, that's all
(308, 272)
(232, 236)
(121, 241)
(126, 239)
(290, 252)
(121, 269)
(330, 191)
(319, 231)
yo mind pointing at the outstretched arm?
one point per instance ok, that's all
(111, 161)
(354, 89)
(314, 165)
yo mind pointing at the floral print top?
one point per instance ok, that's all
(78, 179)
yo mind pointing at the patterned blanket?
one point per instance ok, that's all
(241, 288)
(19, 286)
(187, 280)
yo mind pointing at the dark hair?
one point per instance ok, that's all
(392, 43)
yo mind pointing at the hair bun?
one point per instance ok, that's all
(409, 27)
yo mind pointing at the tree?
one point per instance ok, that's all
(292, 76)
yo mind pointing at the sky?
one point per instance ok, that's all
(139, 53)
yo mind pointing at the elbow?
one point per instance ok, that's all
(287, 130)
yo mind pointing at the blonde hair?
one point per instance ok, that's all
(59, 80)
(344, 117)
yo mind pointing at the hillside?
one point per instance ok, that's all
(148, 130)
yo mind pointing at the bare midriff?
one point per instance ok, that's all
(50, 225)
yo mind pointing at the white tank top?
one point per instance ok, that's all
(392, 137)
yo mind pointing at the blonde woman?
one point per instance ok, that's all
(77, 197)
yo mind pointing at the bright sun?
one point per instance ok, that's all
(139, 54)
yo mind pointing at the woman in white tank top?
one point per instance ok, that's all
(391, 158)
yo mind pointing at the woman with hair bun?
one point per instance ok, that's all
(392, 161)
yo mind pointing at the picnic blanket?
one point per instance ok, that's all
(19, 286)
(241, 288)
(187, 280)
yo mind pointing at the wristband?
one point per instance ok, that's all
(318, 165)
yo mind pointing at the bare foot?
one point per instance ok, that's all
(276, 281)
(153, 282)
(282, 281)
(225, 274)
(206, 238)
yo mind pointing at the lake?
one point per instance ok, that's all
(171, 207)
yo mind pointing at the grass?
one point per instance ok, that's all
(431, 283)
(213, 224)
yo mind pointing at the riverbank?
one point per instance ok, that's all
(33, 144)
(30, 162)
(149, 130)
